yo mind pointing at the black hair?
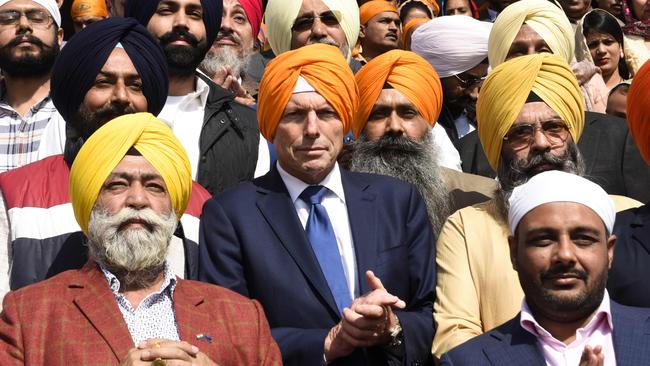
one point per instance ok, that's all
(601, 22)
(413, 4)
(622, 87)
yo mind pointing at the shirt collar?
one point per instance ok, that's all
(528, 322)
(201, 93)
(295, 186)
(169, 281)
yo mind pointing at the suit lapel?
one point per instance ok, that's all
(275, 205)
(589, 141)
(640, 231)
(191, 320)
(630, 337)
(96, 302)
(362, 216)
(516, 347)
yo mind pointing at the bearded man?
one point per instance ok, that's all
(128, 196)
(400, 100)
(531, 115)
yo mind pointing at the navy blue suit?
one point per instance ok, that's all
(510, 344)
(252, 241)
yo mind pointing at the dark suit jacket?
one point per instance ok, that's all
(612, 159)
(252, 242)
(628, 277)
(510, 344)
(73, 319)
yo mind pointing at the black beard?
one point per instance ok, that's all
(86, 122)
(183, 60)
(27, 65)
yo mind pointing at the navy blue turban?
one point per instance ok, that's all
(84, 55)
(143, 10)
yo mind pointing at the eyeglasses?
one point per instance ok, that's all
(37, 18)
(305, 23)
(522, 135)
(470, 81)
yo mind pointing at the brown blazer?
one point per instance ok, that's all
(73, 319)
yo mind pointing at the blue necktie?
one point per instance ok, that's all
(323, 241)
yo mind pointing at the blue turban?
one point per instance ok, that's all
(143, 10)
(84, 55)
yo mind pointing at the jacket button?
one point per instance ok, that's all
(222, 121)
(203, 158)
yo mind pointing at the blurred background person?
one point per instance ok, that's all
(381, 29)
(84, 12)
(410, 9)
(460, 7)
(617, 101)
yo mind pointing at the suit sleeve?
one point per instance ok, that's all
(446, 361)
(11, 341)
(457, 308)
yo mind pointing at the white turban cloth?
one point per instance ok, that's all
(558, 186)
(51, 7)
(281, 14)
(452, 44)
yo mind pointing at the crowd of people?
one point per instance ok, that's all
(314, 182)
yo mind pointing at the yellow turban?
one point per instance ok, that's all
(373, 8)
(405, 71)
(325, 69)
(107, 146)
(281, 14)
(546, 18)
(638, 117)
(89, 8)
(506, 89)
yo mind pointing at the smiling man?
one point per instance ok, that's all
(381, 29)
(561, 246)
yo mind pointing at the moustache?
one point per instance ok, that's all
(563, 270)
(231, 36)
(323, 40)
(111, 111)
(179, 34)
(544, 158)
(395, 142)
(26, 37)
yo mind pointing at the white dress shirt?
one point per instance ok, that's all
(334, 203)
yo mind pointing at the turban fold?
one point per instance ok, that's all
(452, 44)
(408, 26)
(89, 8)
(558, 186)
(50, 5)
(323, 67)
(107, 146)
(507, 87)
(253, 10)
(281, 14)
(544, 17)
(638, 117)
(79, 62)
(143, 10)
(404, 71)
(373, 8)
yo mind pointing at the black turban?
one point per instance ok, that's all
(143, 10)
(84, 55)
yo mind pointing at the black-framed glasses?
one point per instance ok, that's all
(470, 81)
(302, 24)
(36, 17)
(522, 135)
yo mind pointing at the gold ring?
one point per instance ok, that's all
(156, 345)
(158, 362)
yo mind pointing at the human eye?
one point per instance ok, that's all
(553, 126)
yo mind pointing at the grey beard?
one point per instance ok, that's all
(411, 161)
(135, 256)
(517, 172)
(214, 61)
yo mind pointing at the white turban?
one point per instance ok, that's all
(452, 44)
(51, 7)
(281, 14)
(558, 186)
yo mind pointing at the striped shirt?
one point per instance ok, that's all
(20, 136)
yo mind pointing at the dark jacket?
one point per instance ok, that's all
(611, 157)
(229, 141)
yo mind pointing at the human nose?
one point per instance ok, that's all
(23, 22)
(180, 20)
(540, 141)
(311, 126)
(394, 123)
(226, 23)
(137, 197)
(318, 29)
(120, 94)
(565, 251)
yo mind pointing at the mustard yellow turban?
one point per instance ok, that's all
(405, 71)
(373, 8)
(86, 8)
(546, 18)
(107, 146)
(507, 87)
(638, 117)
(325, 69)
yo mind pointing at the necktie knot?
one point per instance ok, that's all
(313, 194)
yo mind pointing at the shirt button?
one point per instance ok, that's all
(222, 121)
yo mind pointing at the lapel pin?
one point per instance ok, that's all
(204, 337)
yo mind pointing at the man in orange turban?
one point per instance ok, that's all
(84, 12)
(400, 100)
(311, 241)
(381, 29)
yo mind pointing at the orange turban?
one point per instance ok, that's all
(410, 25)
(405, 71)
(89, 8)
(638, 117)
(370, 9)
(326, 70)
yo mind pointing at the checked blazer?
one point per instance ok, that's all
(73, 319)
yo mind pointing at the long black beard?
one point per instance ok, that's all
(28, 66)
(411, 161)
(183, 60)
